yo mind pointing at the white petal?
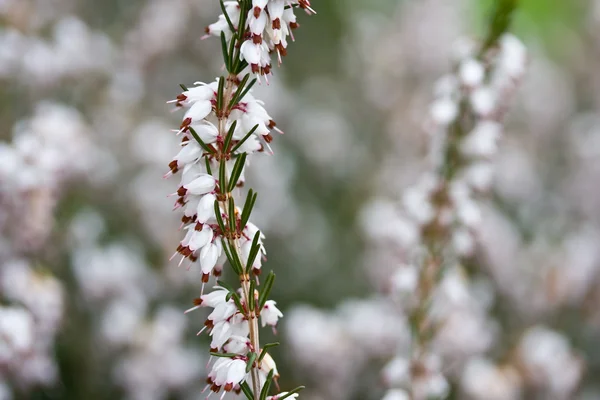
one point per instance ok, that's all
(201, 185)
(208, 258)
(199, 111)
(206, 208)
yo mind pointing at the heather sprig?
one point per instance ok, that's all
(222, 127)
(465, 126)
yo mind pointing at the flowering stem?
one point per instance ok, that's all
(226, 153)
(437, 233)
(223, 125)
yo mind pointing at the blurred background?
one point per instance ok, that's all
(90, 306)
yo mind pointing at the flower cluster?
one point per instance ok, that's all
(222, 126)
(229, 330)
(465, 141)
(29, 324)
(248, 130)
(49, 150)
(269, 24)
(444, 213)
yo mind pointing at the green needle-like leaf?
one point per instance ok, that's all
(247, 391)
(205, 147)
(253, 252)
(232, 219)
(237, 96)
(225, 54)
(266, 291)
(238, 168)
(241, 142)
(265, 390)
(251, 358)
(229, 136)
(219, 217)
(251, 302)
(265, 349)
(245, 217)
(227, 16)
(292, 392)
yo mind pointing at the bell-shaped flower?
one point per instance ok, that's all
(222, 312)
(270, 314)
(237, 345)
(276, 8)
(198, 111)
(259, 3)
(206, 131)
(208, 258)
(199, 93)
(221, 332)
(267, 365)
(256, 22)
(250, 52)
(214, 298)
(188, 154)
(227, 373)
(205, 210)
(203, 184)
(201, 238)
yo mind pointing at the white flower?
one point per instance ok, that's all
(197, 239)
(208, 258)
(257, 23)
(443, 111)
(549, 361)
(250, 231)
(471, 72)
(201, 93)
(220, 333)
(225, 329)
(222, 312)
(482, 380)
(417, 204)
(260, 3)
(237, 345)
(513, 56)
(404, 281)
(463, 242)
(189, 153)
(206, 131)
(198, 111)
(397, 371)
(480, 175)
(206, 208)
(233, 11)
(250, 52)
(203, 184)
(212, 299)
(270, 314)
(482, 141)
(266, 366)
(215, 298)
(483, 101)
(276, 9)
(227, 373)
